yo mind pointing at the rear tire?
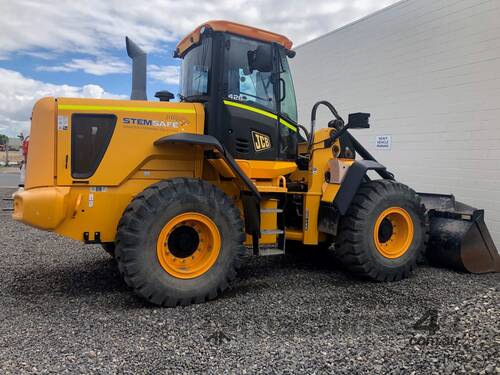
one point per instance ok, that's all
(180, 242)
(383, 234)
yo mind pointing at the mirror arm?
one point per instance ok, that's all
(339, 133)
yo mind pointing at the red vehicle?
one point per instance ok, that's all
(24, 147)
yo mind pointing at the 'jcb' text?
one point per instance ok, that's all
(261, 141)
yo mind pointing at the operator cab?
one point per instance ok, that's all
(242, 76)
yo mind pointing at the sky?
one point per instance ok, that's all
(77, 48)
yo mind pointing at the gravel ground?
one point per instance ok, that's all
(64, 309)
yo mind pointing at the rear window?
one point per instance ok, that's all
(90, 136)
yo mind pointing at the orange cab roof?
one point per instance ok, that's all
(234, 28)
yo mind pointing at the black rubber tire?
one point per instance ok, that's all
(109, 247)
(141, 224)
(355, 246)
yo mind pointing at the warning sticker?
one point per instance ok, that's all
(62, 122)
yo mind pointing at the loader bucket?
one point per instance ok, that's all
(458, 236)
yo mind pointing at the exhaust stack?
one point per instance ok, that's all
(139, 63)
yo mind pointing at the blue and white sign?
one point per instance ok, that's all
(383, 142)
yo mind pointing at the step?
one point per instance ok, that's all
(270, 251)
(271, 210)
(271, 231)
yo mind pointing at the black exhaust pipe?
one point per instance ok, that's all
(139, 63)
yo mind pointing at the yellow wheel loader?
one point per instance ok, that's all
(178, 191)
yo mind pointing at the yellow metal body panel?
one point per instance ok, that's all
(265, 169)
(43, 207)
(40, 166)
(329, 191)
(98, 211)
(221, 166)
(276, 185)
(70, 211)
(132, 144)
(294, 235)
(318, 165)
(54, 200)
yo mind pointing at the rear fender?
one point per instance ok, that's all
(212, 144)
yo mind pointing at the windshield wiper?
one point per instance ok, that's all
(257, 97)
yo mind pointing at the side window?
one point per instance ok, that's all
(288, 101)
(199, 85)
(195, 69)
(288, 109)
(90, 137)
(243, 84)
(247, 85)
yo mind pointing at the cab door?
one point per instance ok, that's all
(249, 113)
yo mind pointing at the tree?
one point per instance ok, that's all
(4, 140)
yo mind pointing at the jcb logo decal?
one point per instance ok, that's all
(261, 142)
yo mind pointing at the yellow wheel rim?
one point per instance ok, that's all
(188, 245)
(393, 232)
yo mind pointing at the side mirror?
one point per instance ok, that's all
(358, 121)
(261, 59)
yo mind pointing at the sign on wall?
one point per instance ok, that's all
(383, 142)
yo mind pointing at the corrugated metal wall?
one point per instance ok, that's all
(429, 73)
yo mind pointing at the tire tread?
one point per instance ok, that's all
(144, 205)
(349, 246)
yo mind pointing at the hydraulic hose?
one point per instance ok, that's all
(313, 119)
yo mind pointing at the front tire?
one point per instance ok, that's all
(180, 242)
(383, 234)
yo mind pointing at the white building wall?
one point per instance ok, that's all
(428, 71)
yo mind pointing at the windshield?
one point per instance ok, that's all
(241, 82)
(195, 70)
(288, 101)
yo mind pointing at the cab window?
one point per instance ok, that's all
(195, 70)
(287, 92)
(243, 83)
